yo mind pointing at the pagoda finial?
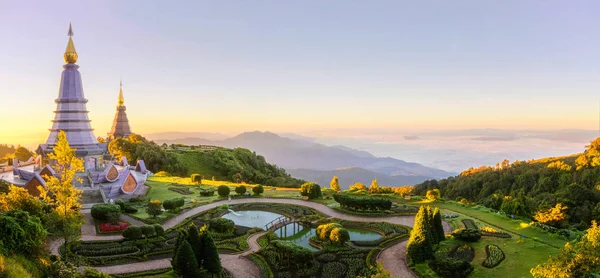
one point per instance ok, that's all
(121, 99)
(70, 55)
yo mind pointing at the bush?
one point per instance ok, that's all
(133, 232)
(154, 208)
(221, 225)
(173, 204)
(223, 190)
(448, 267)
(196, 178)
(258, 190)
(339, 236)
(362, 203)
(470, 235)
(324, 231)
(463, 252)
(240, 190)
(310, 190)
(89, 272)
(160, 231)
(148, 231)
(106, 212)
(207, 192)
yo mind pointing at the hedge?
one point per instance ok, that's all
(265, 270)
(173, 204)
(106, 212)
(133, 232)
(470, 235)
(223, 190)
(362, 203)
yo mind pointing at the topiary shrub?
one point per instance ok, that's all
(339, 236)
(324, 231)
(133, 232)
(148, 231)
(450, 268)
(258, 190)
(221, 225)
(240, 190)
(196, 178)
(207, 192)
(173, 204)
(154, 208)
(223, 190)
(310, 190)
(160, 231)
(106, 212)
(470, 235)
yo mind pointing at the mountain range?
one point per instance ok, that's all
(317, 162)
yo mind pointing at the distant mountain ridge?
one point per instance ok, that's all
(301, 154)
(348, 176)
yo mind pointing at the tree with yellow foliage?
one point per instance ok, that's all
(358, 186)
(19, 198)
(335, 184)
(553, 216)
(374, 186)
(61, 193)
(575, 260)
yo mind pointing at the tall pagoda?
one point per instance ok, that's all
(71, 115)
(120, 127)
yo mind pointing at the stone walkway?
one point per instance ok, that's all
(240, 266)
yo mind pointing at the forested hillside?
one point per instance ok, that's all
(538, 189)
(235, 165)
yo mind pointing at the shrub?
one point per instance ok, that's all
(463, 252)
(448, 267)
(362, 202)
(339, 236)
(324, 231)
(207, 192)
(240, 190)
(148, 231)
(419, 247)
(470, 235)
(310, 190)
(221, 225)
(133, 232)
(154, 208)
(433, 194)
(494, 256)
(160, 231)
(89, 272)
(125, 207)
(106, 212)
(223, 190)
(196, 178)
(258, 190)
(173, 204)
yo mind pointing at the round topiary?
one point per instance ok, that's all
(221, 225)
(339, 236)
(133, 232)
(106, 212)
(223, 190)
(240, 190)
(258, 189)
(160, 231)
(148, 231)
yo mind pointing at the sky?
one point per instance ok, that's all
(289, 66)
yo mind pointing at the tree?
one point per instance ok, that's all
(60, 192)
(437, 225)
(19, 198)
(358, 187)
(154, 208)
(310, 190)
(335, 184)
(339, 236)
(433, 194)
(258, 190)
(223, 190)
(553, 216)
(212, 262)
(21, 233)
(23, 154)
(324, 231)
(195, 241)
(419, 248)
(374, 188)
(186, 264)
(240, 190)
(431, 235)
(575, 260)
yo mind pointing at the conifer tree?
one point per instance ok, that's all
(335, 184)
(419, 247)
(185, 264)
(178, 244)
(438, 226)
(431, 234)
(194, 239)
(212, 262)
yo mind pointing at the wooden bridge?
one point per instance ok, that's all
(282, 222)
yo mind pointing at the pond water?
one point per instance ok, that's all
(299, 234)
(251, 218)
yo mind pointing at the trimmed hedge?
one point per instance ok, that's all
(362, 203)
(148, 231)
(133, 232)
(221, 225)
(207, 192)
(106, 212)
(265, 270)
(470, 235)
(224, 190)
(259, 189)
(173, 204)
(159, 230)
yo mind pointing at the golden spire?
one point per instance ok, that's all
(70, 55)
(121, 99)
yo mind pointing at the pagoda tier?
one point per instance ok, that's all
(120, 127)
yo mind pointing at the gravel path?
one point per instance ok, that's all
(394, 260)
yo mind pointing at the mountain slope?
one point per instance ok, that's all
(348, 176)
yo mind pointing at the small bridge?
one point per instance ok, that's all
(282, 222)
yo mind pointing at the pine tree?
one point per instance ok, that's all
(335, 184)
(194, 239)
(419, 247)
(180, 239)
(211, 262)
(437, 224)
(431, 234)
(186, 265)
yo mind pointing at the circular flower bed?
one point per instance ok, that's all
(109, 227)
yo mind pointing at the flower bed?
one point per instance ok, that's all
(109, 227)
(488, 231)
(494, 256)
(470, 224)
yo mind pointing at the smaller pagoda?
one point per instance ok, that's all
(120, 127)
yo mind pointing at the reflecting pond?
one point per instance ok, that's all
(251, 218)
(302, 236)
